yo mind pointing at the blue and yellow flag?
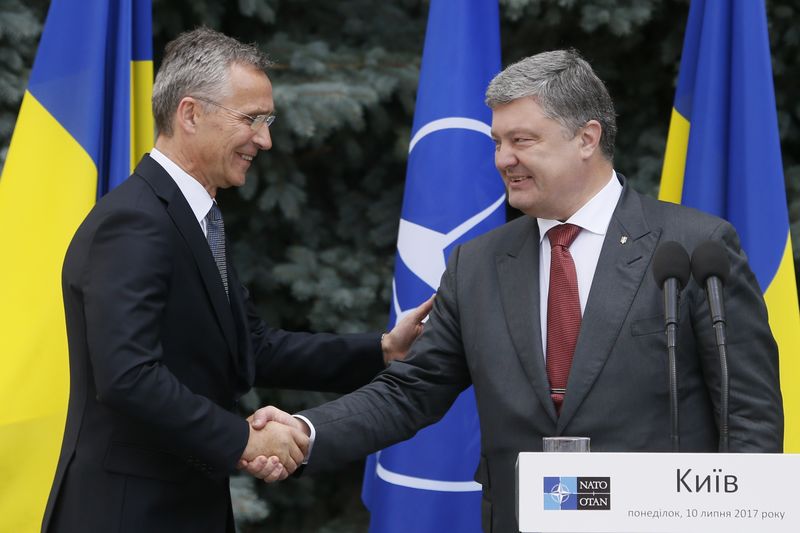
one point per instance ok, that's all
(84, 121)
(723, 156)
(452, 193)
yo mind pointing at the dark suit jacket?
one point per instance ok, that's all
(485, 330)
(158, 359)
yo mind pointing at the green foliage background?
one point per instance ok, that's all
(315, 226)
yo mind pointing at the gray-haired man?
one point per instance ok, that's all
(568, 341)
(163, 338)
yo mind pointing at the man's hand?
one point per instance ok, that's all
(271, 413)
(275, 448)
(396, 343)
(268, 470)
(260, 418)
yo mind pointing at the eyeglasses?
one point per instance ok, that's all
(255, 121)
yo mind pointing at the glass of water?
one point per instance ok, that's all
(565, 444)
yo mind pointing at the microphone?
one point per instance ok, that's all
(671, 271)
(710, 268)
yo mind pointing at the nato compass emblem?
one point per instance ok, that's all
(577, 493)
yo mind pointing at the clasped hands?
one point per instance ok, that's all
(278, 442)
(277, 446)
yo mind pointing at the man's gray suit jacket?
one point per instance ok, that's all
(484, 330)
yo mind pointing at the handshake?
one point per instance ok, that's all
(279, 442)
(277, 445)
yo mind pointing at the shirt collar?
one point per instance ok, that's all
(595, 215)
(197, 196)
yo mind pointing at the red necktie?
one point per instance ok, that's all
(563, 310)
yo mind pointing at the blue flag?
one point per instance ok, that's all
(723, 156)
(452, 194)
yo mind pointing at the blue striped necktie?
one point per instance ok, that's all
(216, 241)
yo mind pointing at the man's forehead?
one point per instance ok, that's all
(247, 72)
(249, 83)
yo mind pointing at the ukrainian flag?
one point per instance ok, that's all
(84, 121)
(723, 156)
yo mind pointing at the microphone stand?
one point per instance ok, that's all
(673, 395)
(671, 269)
(719, 330)
(715, 299)
(711, 266)
(671, 290)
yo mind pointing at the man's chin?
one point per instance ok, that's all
(236, 182)
(529, 208)
(517, 201)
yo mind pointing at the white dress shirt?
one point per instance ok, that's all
(197, 196)
(593, 218)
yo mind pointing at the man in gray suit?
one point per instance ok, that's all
(554, 127)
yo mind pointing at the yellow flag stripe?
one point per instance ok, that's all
(674, 159)
(784, 319)
(48, 185)
(141, 112)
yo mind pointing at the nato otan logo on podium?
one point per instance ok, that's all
(567, 493)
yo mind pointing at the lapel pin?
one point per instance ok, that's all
(623, 239)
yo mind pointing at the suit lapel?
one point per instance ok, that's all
(184, 219)
(623, 261)
(518, 274)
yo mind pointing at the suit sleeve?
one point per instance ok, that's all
(404, 398)
(755, 404)
(312, 361)
(125, 290)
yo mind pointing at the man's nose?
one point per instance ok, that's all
(262, 138)
(504, 158)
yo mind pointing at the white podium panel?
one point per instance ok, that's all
(658, 492)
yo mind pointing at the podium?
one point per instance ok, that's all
(657, 492)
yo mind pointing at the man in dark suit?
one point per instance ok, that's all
(495, 323)
(163, 338)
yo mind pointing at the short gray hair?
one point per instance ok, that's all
(566, 88)
(197, 63)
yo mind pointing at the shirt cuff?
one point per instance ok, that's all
(310, 438)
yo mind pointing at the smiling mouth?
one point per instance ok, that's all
(517, 179)
(247, 157)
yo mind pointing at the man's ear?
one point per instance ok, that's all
(186, 115)
(590, 138)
